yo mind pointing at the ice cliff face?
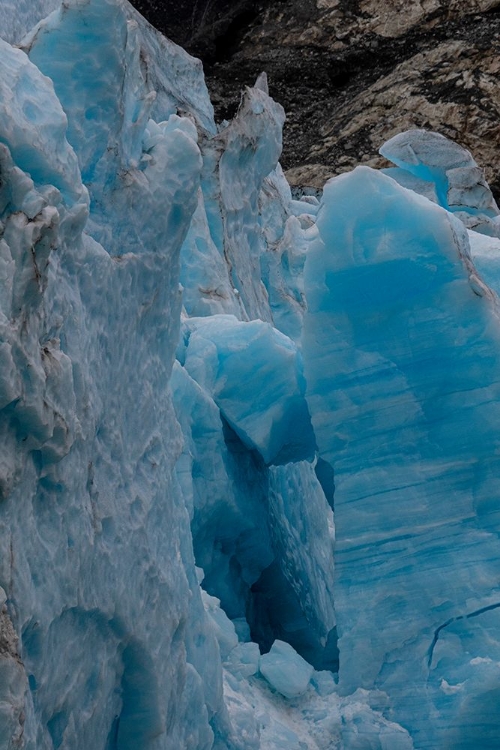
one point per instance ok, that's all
(187, 355)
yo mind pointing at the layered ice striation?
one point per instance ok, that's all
(401, 351)
(196, 372)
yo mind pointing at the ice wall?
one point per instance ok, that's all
(94, 528)
(20, 16)
(446, 173)
(401, 350)
(107, 500)
(245, 250)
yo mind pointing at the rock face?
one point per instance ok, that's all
(205, 26)
(352, 73)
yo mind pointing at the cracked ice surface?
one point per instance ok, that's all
(86, 478)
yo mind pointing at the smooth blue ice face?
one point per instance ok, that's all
(83, 48)
(401, 352)
(35, 128)
(485, 252)
(406, 179)
(175, 77)
(105, 87)
(254, 374)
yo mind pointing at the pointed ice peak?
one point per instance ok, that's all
(262, 83)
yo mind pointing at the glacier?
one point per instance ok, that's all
(409, 417)
(249, 452)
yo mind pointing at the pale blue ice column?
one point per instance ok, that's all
(402, 355)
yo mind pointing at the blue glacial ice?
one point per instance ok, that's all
(225, 355)
(248, 449)
(446, 173)
(401, 359)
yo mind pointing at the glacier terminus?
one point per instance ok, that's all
(249, 441)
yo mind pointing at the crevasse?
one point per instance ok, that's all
(196, 373)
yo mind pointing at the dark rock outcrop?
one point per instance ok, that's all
(351, 73)
(206, 28)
